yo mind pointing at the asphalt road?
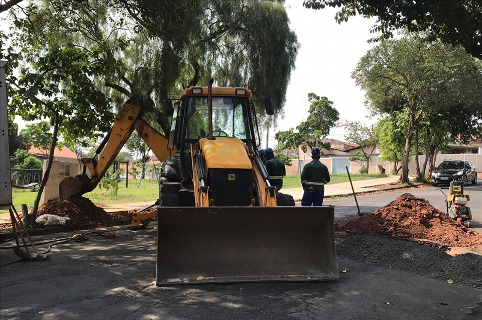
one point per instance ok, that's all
(115, 279)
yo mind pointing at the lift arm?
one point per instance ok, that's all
(126, 121)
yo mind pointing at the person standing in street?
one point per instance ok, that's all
(276, 169)
(313, 178)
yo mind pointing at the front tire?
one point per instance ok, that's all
(284, 200)
(475, 179)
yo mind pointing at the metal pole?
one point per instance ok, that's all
(353, 190)
(5, 181)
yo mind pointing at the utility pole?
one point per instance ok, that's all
(5, 183)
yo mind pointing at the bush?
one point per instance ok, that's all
(363, 170)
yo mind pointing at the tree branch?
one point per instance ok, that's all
(118, 88)
(8, 5)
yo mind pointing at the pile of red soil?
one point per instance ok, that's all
(82, 213)
(413, 218)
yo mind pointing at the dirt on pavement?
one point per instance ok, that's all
(413, 218)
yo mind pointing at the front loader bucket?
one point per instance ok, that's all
(245, 244)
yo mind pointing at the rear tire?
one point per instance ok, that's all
(166, 198)
(284, 200)
(169, 199)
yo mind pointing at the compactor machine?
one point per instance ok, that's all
(219, 220)
(457, 203)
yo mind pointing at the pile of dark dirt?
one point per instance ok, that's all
(413, 218)
(82, 213)
(428, 261)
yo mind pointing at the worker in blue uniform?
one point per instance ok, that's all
(276, 169)
(313, 179)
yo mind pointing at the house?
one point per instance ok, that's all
(65, 164)
(473, 147)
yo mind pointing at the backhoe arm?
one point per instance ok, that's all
(126, 121)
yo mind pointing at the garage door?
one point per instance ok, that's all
(338, 165)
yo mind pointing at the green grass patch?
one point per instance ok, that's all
(294, 181)
(23, 196)
(146, 192)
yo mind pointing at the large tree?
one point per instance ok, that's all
(322, 116)
(422, 78)
(81, 53)
(454, 22)
(365, 138)
(142, 49)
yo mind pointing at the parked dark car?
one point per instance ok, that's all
(450, 170)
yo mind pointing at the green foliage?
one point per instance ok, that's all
(454, 22)
(365, 138)
(134, 172)
(138, 146)
(137, 48)
(18, 158)
(123, 156)
(361, 157)
(363, 170)
(278, 152)
(425, 80)
(37, 134)
(390, 131)
(31, 163)
(322, 117)
(23, 160)
(15, 140)
(110, 182)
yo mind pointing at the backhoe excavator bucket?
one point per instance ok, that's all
(71, 186)
(240, 244)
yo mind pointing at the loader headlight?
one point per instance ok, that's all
(241, 92)
(197, 90)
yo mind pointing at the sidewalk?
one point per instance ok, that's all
(342, 189)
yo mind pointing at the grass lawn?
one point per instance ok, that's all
(294, 181)
(148, 191)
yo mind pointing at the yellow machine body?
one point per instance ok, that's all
(219, 219)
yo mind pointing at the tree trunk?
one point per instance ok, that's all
(417, 152)
(408, 145)
(424, 166)
(369, 157)
(53, 145)
(267, 136)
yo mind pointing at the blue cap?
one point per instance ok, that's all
(315, 150)
(268, 150)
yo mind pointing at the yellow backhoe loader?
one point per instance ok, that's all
(219, 219)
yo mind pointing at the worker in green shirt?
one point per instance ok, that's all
(276, 169)
(313, 178)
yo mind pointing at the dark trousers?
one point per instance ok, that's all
(313, 198)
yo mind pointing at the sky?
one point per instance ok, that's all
(328, 54)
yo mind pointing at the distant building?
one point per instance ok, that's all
(65, 163)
